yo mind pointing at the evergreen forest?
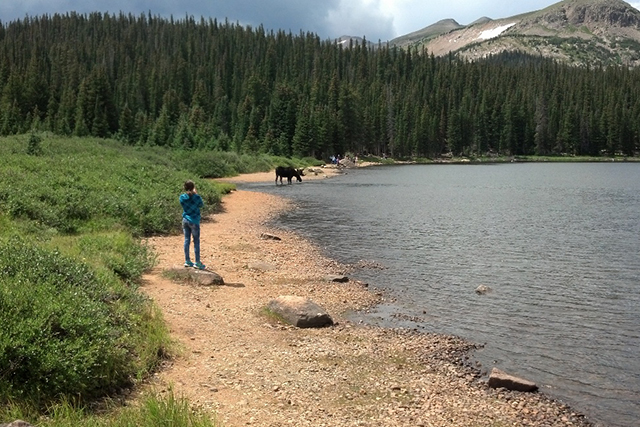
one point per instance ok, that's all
(210, 85)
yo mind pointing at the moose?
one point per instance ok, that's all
(288, 172)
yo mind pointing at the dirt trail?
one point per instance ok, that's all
(238, 364)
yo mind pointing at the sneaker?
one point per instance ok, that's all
(199, 266)
(188, 264)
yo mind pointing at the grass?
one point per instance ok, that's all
(74, 213)
(375, 159)
(272, 317)
(151, 410)
(73, 217)
(570, 159)
(69, 329)
(78, 186)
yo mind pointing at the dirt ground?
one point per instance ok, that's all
(244, 368)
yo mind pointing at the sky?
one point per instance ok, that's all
(377, 20)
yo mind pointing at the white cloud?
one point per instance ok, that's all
(361, 18)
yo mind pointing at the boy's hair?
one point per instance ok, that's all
(189, 186)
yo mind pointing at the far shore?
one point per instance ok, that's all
(311, 173)
(330, 170)
(246, 368)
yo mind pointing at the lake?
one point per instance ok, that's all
(558, 244)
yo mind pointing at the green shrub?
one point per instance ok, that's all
(219, 164)
(34, 148)
(312, 161)
(85, 185)
(72, 324)
(117, 253)
(66, 331)
(206, 164)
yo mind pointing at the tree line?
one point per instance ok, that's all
(204, 84)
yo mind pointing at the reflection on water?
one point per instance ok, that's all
(559, 244)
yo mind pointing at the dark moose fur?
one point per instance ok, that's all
(288, 172)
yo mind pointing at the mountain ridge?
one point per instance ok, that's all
(576, 32)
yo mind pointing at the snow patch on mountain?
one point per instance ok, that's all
(494, 32)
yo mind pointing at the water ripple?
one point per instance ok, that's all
(558, 244)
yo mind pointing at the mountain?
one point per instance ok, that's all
(434, 30)
(577, 32)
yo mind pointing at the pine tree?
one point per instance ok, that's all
(542, 128)
(303, 137)
(126, 125)
(225, 86)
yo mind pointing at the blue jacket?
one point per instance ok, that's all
(191, 207)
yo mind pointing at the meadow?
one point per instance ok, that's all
(74, 213)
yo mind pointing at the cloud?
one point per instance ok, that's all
(288, 15)
(374, 19)
(361, 18)
(327, 18)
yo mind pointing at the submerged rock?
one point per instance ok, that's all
(483, 289)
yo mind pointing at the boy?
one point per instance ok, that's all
(191, 203)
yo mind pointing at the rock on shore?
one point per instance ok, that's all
(300, 312)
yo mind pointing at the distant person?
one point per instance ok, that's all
(191, 203)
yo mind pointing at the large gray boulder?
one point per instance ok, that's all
(500, 379)
(300, 312)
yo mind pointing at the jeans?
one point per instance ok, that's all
(191, 229)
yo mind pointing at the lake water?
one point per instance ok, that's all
(559, 244)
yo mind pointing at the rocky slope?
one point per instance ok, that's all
(578, 32)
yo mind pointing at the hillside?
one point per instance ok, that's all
(220, 87)
(577, 32)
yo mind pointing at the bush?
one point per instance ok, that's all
(72, 324)
(206, 164)
(69, 188)
(116, 253)
(34, 148)
(65, 330)
(219, 164)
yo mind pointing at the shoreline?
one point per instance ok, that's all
(252, 371)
